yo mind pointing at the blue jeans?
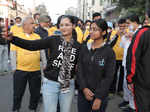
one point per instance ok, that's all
(51, 95)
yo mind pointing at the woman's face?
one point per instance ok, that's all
(95, 32)
(87, 26)
(66, 27)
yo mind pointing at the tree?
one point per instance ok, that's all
(135, 6)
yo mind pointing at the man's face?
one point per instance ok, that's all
(127, 23)
(18, 21)
(29, 25)
(96, 18)
(44, 24)
(122, 27)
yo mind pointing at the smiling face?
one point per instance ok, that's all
(66, 27)
(122, 27)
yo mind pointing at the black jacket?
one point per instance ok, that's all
(138, 59)
(42, 32)
(96, 69)
(56, 56)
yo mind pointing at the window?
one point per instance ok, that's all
(93, 2)
(101, 2)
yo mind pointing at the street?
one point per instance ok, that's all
(6, 97)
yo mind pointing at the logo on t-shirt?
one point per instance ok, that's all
(101, 62)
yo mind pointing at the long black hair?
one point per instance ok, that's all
(72, 20)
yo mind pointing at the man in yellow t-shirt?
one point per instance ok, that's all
(17, 28)
(27, 69)
(119, 56)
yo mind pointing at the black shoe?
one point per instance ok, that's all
(123, 105)
(128, 109)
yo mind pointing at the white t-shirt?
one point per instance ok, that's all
(125, 43)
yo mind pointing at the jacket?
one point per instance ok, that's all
(96, 69)
(42, 32)
(137, 61)
(55, 58)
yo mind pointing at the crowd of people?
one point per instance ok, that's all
(94, 59)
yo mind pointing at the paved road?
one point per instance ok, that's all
(6, 92)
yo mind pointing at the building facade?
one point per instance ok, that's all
(71, 11)
(11, 9)
(87, 7)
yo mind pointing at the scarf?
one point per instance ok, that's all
(65, 71)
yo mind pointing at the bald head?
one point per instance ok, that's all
(28, 24)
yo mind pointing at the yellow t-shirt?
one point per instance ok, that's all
(16, 29)
(86, 33)
(27, 60)
(51, 30)
(79, 34)
(117, 49)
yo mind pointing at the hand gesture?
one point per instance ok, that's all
(6, 35)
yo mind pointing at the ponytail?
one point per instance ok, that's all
(74, 34)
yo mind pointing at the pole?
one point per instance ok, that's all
(16, 8)
(5, 16)
(83, 9)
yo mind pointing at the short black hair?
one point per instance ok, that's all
(96, 14)
(36, 15)
(81, 21)
(1, 19)
(122, 21)
(134, 18)
(18, 18)
(87, 21)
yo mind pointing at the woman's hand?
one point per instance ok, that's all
(96, 104)
(88, 94)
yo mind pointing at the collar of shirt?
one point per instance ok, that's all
(89, 45)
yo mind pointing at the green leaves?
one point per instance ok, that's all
(135, 6)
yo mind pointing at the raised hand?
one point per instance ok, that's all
(5, 34)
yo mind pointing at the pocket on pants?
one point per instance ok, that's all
(50, 86)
